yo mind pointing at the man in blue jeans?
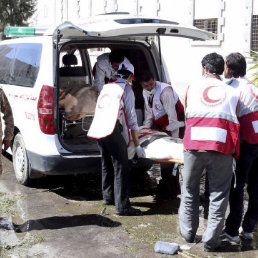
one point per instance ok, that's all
(247, 165)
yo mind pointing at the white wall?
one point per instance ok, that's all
(45, 14)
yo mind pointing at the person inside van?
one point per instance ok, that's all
(9, 124)
(163, 111)
(115, 101)
(105, 70)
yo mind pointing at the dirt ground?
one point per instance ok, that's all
(65, 217)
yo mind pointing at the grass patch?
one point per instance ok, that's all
(6, 205)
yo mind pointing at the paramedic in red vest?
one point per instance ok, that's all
(211, 139)
(115, 101)
(105, 70)
(163, 111)
(247, 164)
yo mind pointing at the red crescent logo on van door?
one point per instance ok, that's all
(213, 95)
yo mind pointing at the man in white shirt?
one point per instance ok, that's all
(106, 68)
(210, 141)
(246, 165)
(165, 112)
(115, 101)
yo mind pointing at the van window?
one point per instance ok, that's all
(7, 53)
(26, 64)
(95, 52)
(78, 58)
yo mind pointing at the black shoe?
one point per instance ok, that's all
(130, 211)
(108, 202)
(209, 249)
(188, 239)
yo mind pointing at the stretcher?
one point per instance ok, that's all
(158, 146)
(77, 101)
(77, 105)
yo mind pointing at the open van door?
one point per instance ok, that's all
(127, 27)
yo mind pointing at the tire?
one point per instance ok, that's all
(21, 164)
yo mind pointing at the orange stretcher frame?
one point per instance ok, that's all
(170, 160)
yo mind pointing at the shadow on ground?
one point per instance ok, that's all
(58, 222)
(87, 187)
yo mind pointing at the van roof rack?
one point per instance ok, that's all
(15, 32)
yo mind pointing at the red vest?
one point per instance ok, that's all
(248, 109)
(158, 111)
(211, 121)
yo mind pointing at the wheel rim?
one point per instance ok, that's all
(19, 161)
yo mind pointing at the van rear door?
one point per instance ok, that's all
(127, 27)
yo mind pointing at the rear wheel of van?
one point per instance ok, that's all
(21, 163)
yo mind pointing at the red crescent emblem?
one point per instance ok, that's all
(206, 96)
(104, 101)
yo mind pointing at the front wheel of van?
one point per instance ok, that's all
(21, 163)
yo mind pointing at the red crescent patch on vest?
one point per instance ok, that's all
(104, 101)
(219, 93)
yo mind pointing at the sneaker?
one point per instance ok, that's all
(130, 211)
(247, 235)
(234, 239)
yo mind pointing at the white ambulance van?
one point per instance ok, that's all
(32, 71)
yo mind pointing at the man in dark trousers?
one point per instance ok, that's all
(211, 138)
(247, 164)
(163, 111)
(115, 101)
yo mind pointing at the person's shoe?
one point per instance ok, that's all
(208, 249)
(108, 202)
(234, 239)
(222, 247)
(130, 211)
(247, 235)
(187, 239)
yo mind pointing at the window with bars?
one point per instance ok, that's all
(207, 24)
(254, 36)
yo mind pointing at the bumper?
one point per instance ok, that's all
(59, 165)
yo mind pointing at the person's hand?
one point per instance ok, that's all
(6, 144)
(140, 152)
